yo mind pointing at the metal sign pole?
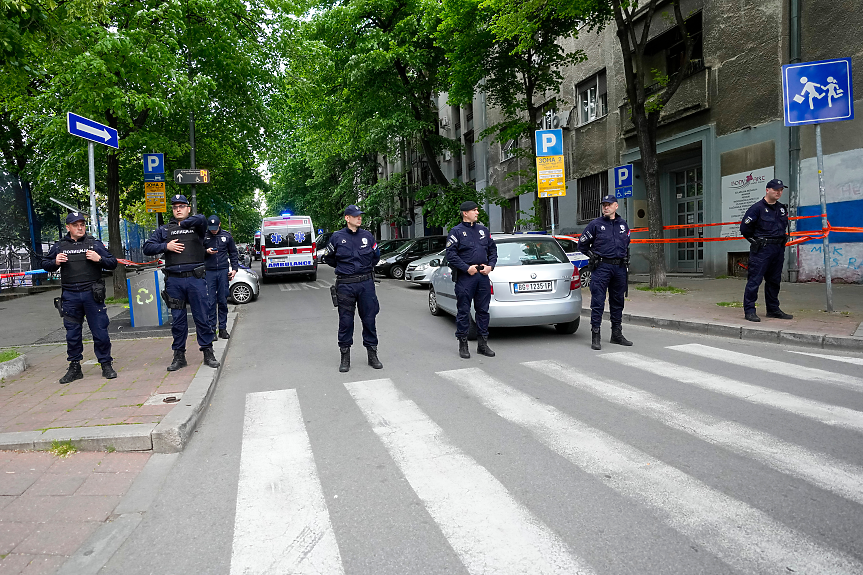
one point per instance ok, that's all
(91, 156)
(826, 245)
(192, 158)
(551, 201)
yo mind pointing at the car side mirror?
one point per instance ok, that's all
(434, 263)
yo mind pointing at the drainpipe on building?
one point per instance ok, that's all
(794, 139)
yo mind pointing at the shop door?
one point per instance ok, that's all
(689, 196)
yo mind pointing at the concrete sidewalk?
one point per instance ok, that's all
(696, 310)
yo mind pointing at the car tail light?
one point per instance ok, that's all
(314, 251)
(491, 285)
(576, 280)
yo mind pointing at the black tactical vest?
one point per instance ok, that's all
(78, 269)
(193, 252)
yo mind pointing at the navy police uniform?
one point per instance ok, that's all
(606, 242)
(470, 244)
(354, 254)
(185, 282)
(83, 296)
(765, 226)
(218, 265)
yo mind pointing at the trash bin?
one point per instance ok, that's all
(146, 307)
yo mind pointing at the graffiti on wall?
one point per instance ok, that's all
(846, 262)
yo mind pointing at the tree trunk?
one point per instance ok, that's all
(115, 242)
(434, 167)
(650, 167)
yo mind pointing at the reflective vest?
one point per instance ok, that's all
(193, 252)
(78, 269)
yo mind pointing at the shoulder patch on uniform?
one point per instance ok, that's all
(748, 220)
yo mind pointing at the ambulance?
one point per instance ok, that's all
(288, 247)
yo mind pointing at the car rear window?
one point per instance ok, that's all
(288, 238)
(568, 245)
(529, 252)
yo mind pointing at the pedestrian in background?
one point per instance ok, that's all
(765, 226)
(81, 259)
(222, 263)
(605, 241)
(472, 254)
(354, 252)
(182, 242)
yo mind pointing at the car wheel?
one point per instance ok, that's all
(568, 327)
(471, 330)
(585, 277)
(434, 308)
(241, 293)
(397, 272)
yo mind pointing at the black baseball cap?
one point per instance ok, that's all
(75, 217)
(352, 210)
(179, 199)
(213, 223)
(468, 206)
(609, 199)
(776, 184)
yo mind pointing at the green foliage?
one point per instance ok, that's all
(63, 448)
(441, 205)
(8, 354)
(662, 289)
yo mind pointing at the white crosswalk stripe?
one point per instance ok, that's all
(842, 358)
(489, 530)
(773, 366)
(742, 536)
(819, 469)
(282, 524)
(826, 413)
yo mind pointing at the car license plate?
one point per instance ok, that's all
(532, 286)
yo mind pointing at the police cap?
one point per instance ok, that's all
(352, 210)
(75, 217)
(468, 206)
(776, 184)
(609, 199)
(213, 223)
(179, 199)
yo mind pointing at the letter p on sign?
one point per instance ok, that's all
(549, 142)
(154, 163)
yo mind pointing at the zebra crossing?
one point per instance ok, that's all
(283, 524)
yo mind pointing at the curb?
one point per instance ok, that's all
(819, 340)
(13, 367)
(168, 436)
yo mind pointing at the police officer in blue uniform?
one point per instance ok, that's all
(765, 226)
(605, 241)
(222, 263)
(354, 252)
(81, 259)
(182, 242)
(472, 254)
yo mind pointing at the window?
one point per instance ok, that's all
(532, 252)
(668, 49)
(590, 192)
(507, 150)
(546, 212)
(592, 98)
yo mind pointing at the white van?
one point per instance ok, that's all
(288, 247)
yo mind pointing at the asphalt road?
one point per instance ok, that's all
(678, 455)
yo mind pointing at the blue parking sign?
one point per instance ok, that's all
(549, 142)
(816, 92)
(154, 164)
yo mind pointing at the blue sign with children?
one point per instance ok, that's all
(816, 92)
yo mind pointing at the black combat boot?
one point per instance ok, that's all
(482, 347)
(223, 333)
(179, 360)
(595, 343)
(463, 351)
(108, 370)
(210, 358)
(73, 373)
(617, 336)
(345, 365)
(373, 358)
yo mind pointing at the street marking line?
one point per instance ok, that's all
(738, 534)
(826, 413)
(854, 360)
(491, 532)
(772, 366)
(822, 470)
(282, 524)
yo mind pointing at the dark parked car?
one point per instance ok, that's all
(394, 264)
(391, 246)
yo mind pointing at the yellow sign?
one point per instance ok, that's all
(550, 180)
(154, 196)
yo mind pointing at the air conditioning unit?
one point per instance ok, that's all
(564, 117)
(444, 122)
(555, 122)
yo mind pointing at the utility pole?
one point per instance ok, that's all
(192, 158)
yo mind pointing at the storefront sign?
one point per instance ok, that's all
(739, 192)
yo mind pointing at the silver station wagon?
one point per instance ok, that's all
(534, 283)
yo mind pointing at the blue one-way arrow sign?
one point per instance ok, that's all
(90, 130)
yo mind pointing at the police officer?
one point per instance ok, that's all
(472, 254)
(182, 242)
(222, 263)
(605, 241)
(81, 259)
(354, 253)
(765, 225)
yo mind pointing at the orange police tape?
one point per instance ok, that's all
(131, 263)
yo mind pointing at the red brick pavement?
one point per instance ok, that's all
(34, 399)
(50, 505)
